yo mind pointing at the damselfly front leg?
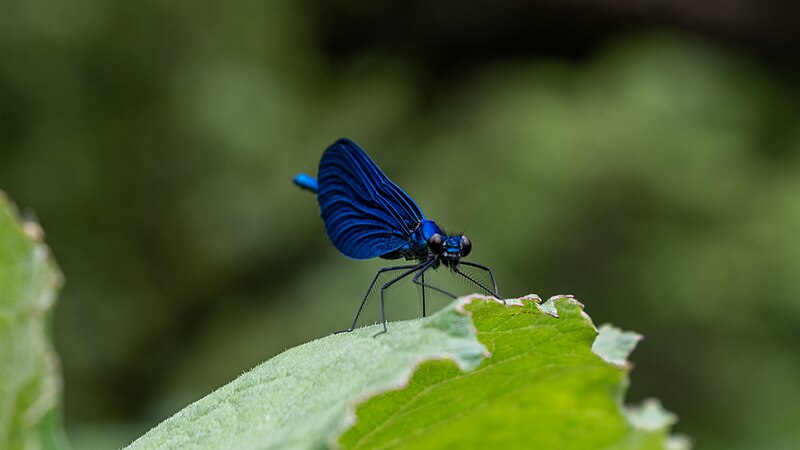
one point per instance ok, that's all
(496, 293)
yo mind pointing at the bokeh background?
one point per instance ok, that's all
(644, 157)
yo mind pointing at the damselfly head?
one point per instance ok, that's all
(449, 248)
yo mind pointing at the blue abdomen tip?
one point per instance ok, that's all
(306, 182)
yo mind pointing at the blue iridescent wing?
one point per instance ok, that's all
(366, 214)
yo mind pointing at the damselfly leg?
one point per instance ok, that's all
(419, 279)
(417, 273)
(493, 293)
(416, 268)
(422, 288)
(496, 293)
(369, 290)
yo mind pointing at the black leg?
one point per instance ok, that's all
(389, 283)
(424, 285)
(369, 290)
(493, 294)
(423, 293)
(491, 275)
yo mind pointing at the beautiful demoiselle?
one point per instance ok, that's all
(366, 215)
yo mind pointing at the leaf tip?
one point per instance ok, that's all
(650, 415)
(550, 307)
(31, 228)
(614, 345)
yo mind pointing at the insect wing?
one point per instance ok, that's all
(365, 214)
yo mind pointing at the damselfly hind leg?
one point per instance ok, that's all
(369, 290)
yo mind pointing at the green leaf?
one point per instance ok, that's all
(476, 374)
(300, 398)
(30, 382)
(543, 387)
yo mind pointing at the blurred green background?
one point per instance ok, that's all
(643, 158)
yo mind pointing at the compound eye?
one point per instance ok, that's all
(466, 246)
(436, 243)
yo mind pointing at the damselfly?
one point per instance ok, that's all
(366, 215)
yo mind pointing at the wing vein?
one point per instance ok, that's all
(365, 213)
